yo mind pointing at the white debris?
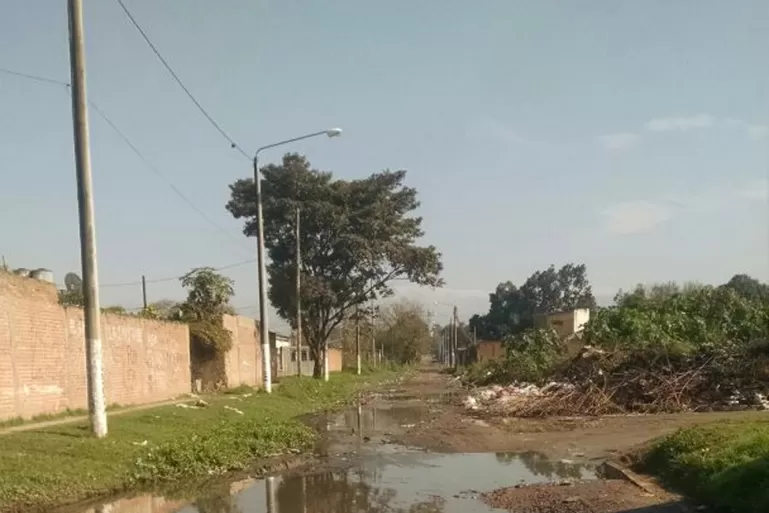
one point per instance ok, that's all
(234, 409)
(497, 395)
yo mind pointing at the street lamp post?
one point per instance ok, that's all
(261, 266)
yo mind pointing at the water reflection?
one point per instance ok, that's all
(540, 465)
(406, 482)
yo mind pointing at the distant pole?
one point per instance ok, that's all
(357, 340)
(373, 338)
(298, 296)
(455, 332)
(262, 273)
(449, 335)
(144, 292)
(94, 370)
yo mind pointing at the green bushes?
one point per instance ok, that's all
(725, 466)
(680, 323)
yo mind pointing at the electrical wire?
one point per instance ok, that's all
(138, 153)
(173, 278)
(34, 77)
(155, 170)
(178, 80)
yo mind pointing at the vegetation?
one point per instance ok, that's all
(403, 332)
(40, 469)
(208, 299)
(724, 465)
(357, 237)
(663, 347)
(512, 309)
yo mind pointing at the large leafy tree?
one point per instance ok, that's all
(357, 236)
(512, 309)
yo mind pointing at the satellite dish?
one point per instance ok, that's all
(73, 282)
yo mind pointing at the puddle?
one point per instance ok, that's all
(403, 482)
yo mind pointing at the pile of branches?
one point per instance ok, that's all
(642, 381)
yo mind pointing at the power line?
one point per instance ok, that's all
(34, 77)
(174, 278)
(133, 148)
(155, 170)
(170, 70)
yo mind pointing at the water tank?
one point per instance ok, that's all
(42, 275)
(22, 272)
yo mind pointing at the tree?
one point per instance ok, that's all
(748, 287)
(357, 236)
(512, 309)
(403, 332)
(208, 299)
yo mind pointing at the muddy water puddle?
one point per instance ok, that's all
(363, 472)
(409, 482)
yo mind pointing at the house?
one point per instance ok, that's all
(565, 323)
(283, 349)
(568, 324)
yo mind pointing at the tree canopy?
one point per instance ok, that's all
(512, 309)
(208, 298)
(357, 236)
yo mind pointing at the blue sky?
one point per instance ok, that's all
(631, 136)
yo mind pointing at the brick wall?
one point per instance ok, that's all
(42, 354)
(243, 363)
(489, 350)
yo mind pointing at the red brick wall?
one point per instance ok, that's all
(42, 354)
(243, 363)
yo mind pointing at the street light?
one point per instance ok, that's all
(261, 268)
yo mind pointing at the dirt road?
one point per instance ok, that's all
(410, 447)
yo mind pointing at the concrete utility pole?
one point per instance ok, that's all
(94, 370)
(357, 341)
(298, 297)
(144, 292)
(373, 337)
(262, 273)
(455, 333)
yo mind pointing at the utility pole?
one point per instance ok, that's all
(455, 331)
(144, 292)
(94, 370)
(450, 340)
(373, 337)
(357, 340)
(264, 330)
(298, 297)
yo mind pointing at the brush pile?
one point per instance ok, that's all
(598, 382)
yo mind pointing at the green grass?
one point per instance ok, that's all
(64, 464)
(724, 465)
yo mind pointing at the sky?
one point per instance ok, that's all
(630, 136)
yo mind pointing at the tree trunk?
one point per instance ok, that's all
(317, 369)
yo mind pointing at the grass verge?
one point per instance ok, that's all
(64, 464)
(725, 466)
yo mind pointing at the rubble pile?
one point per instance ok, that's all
(598, 382)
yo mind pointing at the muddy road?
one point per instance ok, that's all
(411, 447)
